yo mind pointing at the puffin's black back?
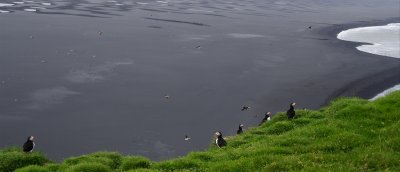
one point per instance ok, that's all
(264, 119)
(291, 113)
(221, 141)
(28, 146)
(240, 130)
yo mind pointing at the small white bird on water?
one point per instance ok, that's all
(187, 138)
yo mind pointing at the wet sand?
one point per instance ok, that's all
(84, 76)
(369, 85)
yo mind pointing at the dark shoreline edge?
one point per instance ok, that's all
(370, 85)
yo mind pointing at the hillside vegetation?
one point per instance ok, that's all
(350, 134)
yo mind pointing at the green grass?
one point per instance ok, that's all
(350, 134)
(13, 158)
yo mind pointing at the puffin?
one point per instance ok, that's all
(220, 141)
(29, 144)
(187, 138)
(291, 113)
(245, 108)
(240, 130)
(267, 117)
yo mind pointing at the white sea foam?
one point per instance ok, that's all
(30, 9)
(3, 11)
(386, 92)
(94, 74)
(244, 35)
(46, 3)
(198, 10)
(385, 39)
(45, 98)
(6, 5)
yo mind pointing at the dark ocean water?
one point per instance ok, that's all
(89, 75)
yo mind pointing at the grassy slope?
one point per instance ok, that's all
(349, 135)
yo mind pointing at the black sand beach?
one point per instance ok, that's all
(87, 75)
(371, 84)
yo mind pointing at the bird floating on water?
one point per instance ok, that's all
(245, 108)
(187, 138)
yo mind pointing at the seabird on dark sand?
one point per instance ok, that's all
(240, 130)
(220, 141)
(245, 108)
(267, 117)
(29, 145)
(291, 113)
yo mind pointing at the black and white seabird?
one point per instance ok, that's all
(266, 118)
(166, 96)
(100, 33)
(220, 141)
(291, 113)
(187, 138)
(29, 145)
(309, 27)
(240, 130)
(245, 108)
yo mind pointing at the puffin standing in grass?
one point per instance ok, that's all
(240, 130)
(29, 145)
(220, 141)
(267, 117)
(291, 113)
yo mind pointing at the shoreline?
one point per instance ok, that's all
(368, 85)
(208, 85)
